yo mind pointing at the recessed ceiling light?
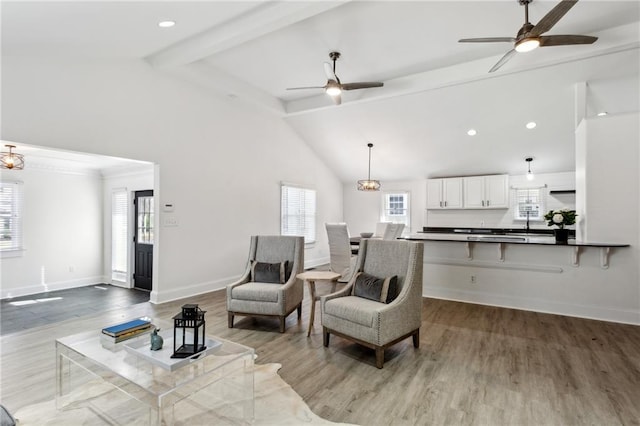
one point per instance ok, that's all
(602, 114)
(166, 24)
(472, 132)
(531, 125)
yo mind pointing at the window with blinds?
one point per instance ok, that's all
(11, 200)
(395, 207)
(119, 234)
(529, 204)
(298, 212)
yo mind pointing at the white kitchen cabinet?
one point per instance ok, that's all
(445, 193)
(486, 192)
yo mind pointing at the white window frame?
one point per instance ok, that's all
(388, 216)
(14, 215)
(531, 199)
(120, 219)
(298, 211)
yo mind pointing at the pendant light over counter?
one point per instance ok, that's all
(368, 184)
(530, 175)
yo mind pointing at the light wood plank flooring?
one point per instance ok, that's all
(476, 365)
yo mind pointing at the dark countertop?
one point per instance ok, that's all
(501, 235)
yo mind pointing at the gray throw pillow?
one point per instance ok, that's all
(269, 272)
(383, 290)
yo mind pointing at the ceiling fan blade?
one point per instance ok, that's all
(328, 70)
(361, 85)
(310, 87)
(550, 19)
(563, 40)
(488, 40)
(503, 60)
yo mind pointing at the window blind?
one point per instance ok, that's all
(11, 200)
(529, 203)
(298, 212)
(119, 234)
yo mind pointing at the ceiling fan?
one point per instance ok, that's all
(334, 87)
(530, 36)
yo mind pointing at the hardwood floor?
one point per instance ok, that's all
(475, 365)
(24, 312)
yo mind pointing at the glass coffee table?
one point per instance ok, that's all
(119, 385)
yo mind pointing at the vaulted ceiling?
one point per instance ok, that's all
(435, 89)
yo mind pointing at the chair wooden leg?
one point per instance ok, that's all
(416, 339)
(325, 337)
(282, 324)
(379, 357)
(230, 319)
(299, 311)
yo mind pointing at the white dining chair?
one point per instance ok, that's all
(381, 228)
(340, 258)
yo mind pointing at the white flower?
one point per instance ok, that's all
(558, 218)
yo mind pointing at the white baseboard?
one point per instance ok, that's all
(206, 287)
(41, 288)
(191, 290)
(625, 316)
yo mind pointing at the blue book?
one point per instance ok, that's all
(126, 327)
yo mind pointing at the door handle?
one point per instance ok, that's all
(482, 203)
(487, 203)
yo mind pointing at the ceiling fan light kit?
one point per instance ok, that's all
(530, 36)
(334, 87)
(527, 45)
(368, 184)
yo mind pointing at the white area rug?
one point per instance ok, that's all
(276, 403)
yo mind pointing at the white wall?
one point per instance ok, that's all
(131, 181)
(62, 228)
(220, 163)
(362, 210)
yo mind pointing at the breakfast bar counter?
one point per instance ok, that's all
(502, 237)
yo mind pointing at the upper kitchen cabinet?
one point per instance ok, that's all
(444, 193)
(486, 192)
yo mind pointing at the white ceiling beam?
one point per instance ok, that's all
(612, 40)
(211, 78)
(266, 18)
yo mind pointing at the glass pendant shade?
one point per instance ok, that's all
(530, 175)
(11, 160)
(369, 184)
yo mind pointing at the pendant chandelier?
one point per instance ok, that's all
(11, 160)
(368, 184)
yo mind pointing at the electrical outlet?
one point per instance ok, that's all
(473, 279)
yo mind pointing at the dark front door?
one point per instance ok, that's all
(143, 239)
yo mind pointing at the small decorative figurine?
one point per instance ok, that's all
(156, 340)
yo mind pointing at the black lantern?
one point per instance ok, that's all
(190, 340)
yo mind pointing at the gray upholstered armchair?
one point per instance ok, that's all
(269, 286)
(352, 313)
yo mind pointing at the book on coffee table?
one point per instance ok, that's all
(128, 329)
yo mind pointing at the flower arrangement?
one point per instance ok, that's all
(560, 218)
